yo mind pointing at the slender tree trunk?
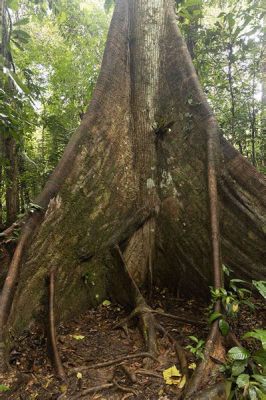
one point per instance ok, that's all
(135, 175)
(1, 138)
(12, 177)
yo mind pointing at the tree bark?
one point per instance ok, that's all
(135, 175)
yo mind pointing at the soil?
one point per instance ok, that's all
(91, 339)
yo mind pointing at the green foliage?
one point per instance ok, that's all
(4, 388)
(261, 287)
(231, 299)
(56, 50)
(246, 370)
(108, 4)
(198, 348)
(259, 334)
(225, 40)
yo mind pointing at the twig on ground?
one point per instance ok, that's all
(112, 362)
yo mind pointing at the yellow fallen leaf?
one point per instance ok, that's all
(235, 307)
(172, 376)
(63, 388)
(182, 382)
(78, 337)
(79, 375)
(192, 366)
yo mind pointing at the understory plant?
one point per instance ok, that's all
(197, 349)
(246, 370)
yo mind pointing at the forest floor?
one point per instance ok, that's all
(91, 339)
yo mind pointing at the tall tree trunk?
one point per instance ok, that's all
(135, 174)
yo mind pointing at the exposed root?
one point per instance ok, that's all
(93, 389)
(188, 321)
(113, 362)
(8, 290)
(52, 333)
(131, 376)
(208, 370)
(148, 324)
(112, 383)
(180, 352)
(146, 372)
(124, 388)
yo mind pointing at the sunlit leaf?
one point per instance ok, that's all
(106, 303)
(78, 337)
(238, 353)
(261, 287)
(172, 376)
(242, 380)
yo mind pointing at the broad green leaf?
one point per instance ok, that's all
(215, 315)
(261, 287)
(238, 353)
(260, 378)
(194, 338)
(261, 395)
(260, 358)
(224, 327)
(238, 367)
(242, 380)
(259, 334)
(252, 393)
